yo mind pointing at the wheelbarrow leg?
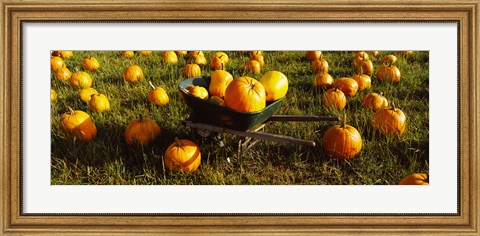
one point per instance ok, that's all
(248, 142)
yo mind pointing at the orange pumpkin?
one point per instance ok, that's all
(363, 81)
(259, 58)
(342, 141)
(56, 63)
(99, 103)
(245, 94)
(223, 56)
(63, 74)
(78, 125)
(81, 79)
(390, 121)
(219, 80)
(415, 179)
(191, 70)
(141, 132)
(182, 156)
(145, 53)
(200, 60)
(252, 66)
(192, 54)
(65, 54)
(275, 84)
(90, 63)
(128, 54)
(133, 74)
(334, 98)
(170, 57)
(53, 95)
(158, 96)
(255, 53)
(374, 101)
(319, 65)
(389, 59)
(198, 91)
(217, 63)
(348, 86)
(323, 80)
(388, 73)
(373, 53)
(361, 56)
(86, 94)
(313, 55)
(363, 67)
(181, 53)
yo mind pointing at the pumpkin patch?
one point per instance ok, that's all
(145, 102)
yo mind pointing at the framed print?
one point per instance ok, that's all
(150, 128)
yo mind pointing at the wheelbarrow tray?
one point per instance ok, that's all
(210, 113)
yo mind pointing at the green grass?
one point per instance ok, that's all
(107, 159)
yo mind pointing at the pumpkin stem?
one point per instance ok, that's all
(150, 82)
(72, 112)
(393, 105)
(381, 93)
(361, 68)
(223, 64)
(178, 143)
(344, 121)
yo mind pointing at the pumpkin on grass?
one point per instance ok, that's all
(90, 63)
(182, 156)
(334, 98)
(252, 66)
(133, 74)
(78, 125)
(415, 179)
(363, 81)
(191, 70)
(63, 74)
(389, 72)
(374, 101)
(323, 80)
(141, 132)
(56, 63)
(170, 57)
(342, 141)
(86, 94)
(319, 65)
(128, 54)
(157, 96)
(99, 103)
(53, 95)
(348, 86)
(245, 94)
(313, 55)
(81, 79)
(390, 120)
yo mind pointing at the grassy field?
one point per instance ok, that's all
(107, 159)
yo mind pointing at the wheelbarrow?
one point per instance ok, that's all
(211, 117)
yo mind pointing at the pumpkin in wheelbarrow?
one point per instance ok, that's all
(245, 94)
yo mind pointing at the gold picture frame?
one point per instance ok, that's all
(14, 12)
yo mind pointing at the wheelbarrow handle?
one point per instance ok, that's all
(252, 134)
(302, 118)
